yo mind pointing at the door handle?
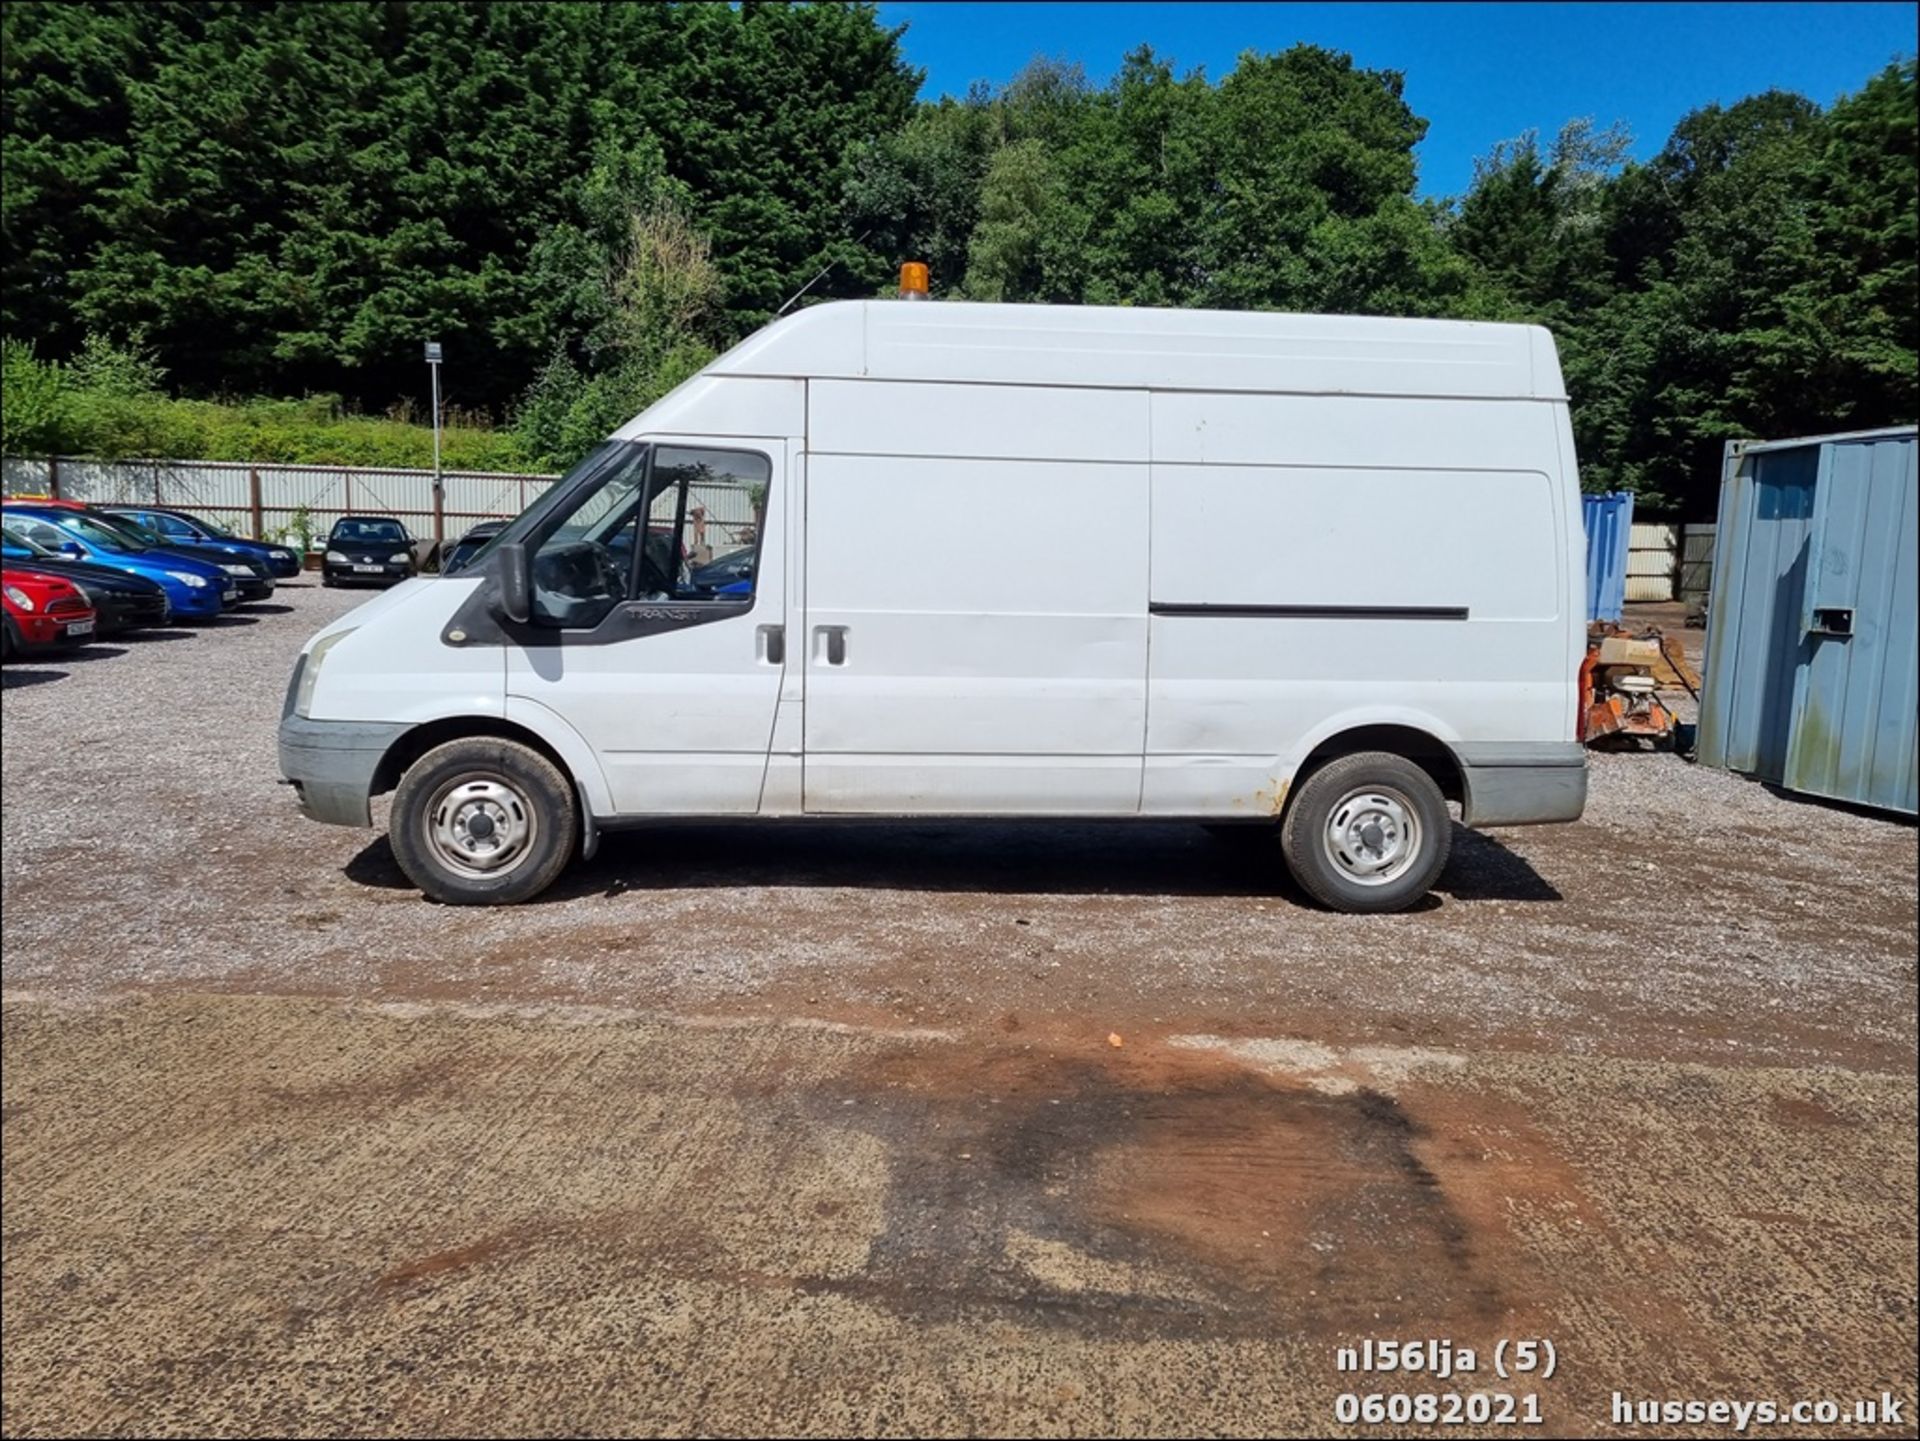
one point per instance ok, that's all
(771, 643)
(830, 644)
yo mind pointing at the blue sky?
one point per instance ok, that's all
(1479, 73)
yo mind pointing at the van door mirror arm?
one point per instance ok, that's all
(514, 589)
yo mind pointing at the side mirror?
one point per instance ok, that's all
(73, 548)
(516, 590)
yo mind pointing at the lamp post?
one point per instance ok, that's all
(439, 489)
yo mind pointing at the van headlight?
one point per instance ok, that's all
(310, 672)
(336, 557)
(399, 557)
(189, 579)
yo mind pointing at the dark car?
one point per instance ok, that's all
(468, 546)
(730, 574)
(372, 548)
(179, 527)
(250, 576)
(121, 601)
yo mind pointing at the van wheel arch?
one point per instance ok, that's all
(422, 738)
(1429, 752)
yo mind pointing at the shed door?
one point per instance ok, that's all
(1853, 732)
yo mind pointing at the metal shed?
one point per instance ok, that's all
(1813, 665)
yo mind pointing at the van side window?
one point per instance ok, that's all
(580, 572)
(703, 525)
(685, 528)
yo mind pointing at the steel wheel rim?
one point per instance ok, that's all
(481, 826)
(1372, 835)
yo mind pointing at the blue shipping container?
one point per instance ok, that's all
(1609, 524)
(1813, 629)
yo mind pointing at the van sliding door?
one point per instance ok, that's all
(975, 637)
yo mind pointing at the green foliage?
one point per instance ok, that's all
(108, 404)
(287, 199)
(298, 195)
(33, 401)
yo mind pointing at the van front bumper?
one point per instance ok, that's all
(1527, 784)
(331, 765)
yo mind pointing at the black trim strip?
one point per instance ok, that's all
(1314, 612)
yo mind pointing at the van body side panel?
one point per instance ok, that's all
(1324, 564)
(975, 637)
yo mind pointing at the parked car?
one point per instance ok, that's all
(729, 574)
(468, 546)
(196, 589)
(43, 612)
(373, 548)
(250, 574)
(180, 527)
(122, 601)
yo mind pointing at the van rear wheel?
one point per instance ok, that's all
(483, 822)
(1367, 833)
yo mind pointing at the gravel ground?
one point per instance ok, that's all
(1686, 895)
(820, 1127)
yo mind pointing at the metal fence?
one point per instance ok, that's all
(1696, 565)
(1653, 559)
(265, 500)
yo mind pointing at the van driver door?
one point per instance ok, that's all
(658, 622)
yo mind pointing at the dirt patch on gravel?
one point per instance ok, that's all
(237, 1215)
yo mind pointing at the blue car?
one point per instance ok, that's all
(249, 572)
(177, 527)
(196, 589)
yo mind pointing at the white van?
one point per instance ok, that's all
(1320, 574)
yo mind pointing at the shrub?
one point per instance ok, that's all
(33, 401)
(108, 405)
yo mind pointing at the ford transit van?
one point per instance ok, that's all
(1314, 574)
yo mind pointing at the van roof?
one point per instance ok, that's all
(1121, 346)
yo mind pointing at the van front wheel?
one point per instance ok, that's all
(1367, 833)
(483, 822)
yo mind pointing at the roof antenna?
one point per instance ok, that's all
(817, 276)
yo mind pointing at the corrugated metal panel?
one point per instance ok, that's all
(222, 490)
(1650, 562)
(1812, 660)
(1653, 555)
(1609, 523)
(1696, 563)
(1854, 735)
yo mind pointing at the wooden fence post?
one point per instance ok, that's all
(253, 502)
(53, 476)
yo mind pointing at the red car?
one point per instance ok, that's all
(43, 612)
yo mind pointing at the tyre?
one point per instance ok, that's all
(327, 581)
(483, 822)
(1367, 833)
